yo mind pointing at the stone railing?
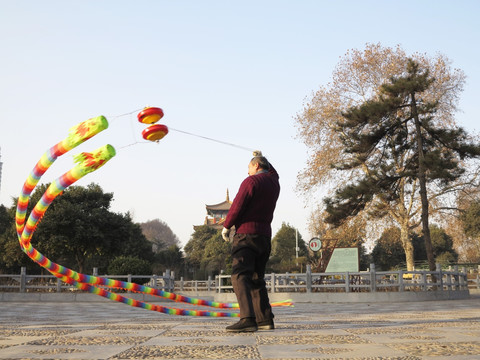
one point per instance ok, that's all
(24, 282)
(369, 285)
(368, 281)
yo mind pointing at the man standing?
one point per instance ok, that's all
(251, 214)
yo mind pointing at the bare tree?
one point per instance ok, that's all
(160, 234)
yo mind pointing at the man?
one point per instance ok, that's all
(251, 214)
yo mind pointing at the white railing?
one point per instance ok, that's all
(24, 282)
(197, 285)
(370, 281)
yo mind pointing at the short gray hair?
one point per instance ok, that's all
(261, 161)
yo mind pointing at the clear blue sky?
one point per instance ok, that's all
(234, 71)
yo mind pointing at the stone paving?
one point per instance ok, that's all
(108, 330)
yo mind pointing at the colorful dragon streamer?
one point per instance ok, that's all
(86, 163)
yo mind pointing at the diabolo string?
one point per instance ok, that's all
(183, 132)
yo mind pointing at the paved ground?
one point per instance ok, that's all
(107, 330)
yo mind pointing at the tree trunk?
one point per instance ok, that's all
(407, 246)
(80, 262)
(423, 187)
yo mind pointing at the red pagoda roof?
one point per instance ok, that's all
(225, 205)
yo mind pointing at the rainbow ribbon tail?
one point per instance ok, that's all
(141, 304)
(86, 163)
(288, 302)
(77, 135)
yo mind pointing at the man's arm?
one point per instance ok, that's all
(272, 170)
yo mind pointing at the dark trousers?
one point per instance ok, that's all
(250, 254)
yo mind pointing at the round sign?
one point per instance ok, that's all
(315, 244)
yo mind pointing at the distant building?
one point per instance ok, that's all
(216, 214)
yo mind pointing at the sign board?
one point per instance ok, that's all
(343, 260)
(315, 244)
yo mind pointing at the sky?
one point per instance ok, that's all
(236, 72)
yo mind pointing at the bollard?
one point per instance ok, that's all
(440, 276)
(456, 278)
(166, 277)
(23, 279)
(373, 278)
(309, 278)
(401, 285)
(463, 278)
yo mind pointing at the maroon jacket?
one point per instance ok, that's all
(252, 209)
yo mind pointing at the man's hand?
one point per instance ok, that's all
(257, 153)
(226, 234)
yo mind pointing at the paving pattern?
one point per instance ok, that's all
(107, 330)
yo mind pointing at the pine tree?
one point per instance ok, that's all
(397, 124)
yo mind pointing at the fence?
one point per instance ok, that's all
(48, 283)
(308, 282)
(371, 281)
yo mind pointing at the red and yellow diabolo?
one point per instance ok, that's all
(151, 115)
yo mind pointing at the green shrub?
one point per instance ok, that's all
(125, 265)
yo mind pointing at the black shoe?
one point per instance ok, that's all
(266, 325)
(244, 325)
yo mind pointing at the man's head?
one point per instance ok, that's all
(258, 163)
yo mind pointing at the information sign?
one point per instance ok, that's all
(343, 260)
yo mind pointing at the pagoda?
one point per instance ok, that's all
(216, 214)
